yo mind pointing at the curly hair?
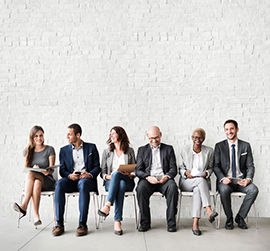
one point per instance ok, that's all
(122, 138)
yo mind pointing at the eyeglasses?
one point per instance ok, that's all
(199, 138)
(155, 138)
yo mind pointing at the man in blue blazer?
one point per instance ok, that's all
(234, 168)
(79, 170)
(156, 169)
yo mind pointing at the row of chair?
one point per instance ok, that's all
(104, 195)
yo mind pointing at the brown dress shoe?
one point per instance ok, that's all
(81, 231)
(58, 230)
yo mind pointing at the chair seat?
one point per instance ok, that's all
(238, 194)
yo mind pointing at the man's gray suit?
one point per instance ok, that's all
(246, 166)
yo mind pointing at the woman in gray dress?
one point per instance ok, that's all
(36, 155)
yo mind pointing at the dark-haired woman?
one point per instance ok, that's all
(117, 183)
(36, 155)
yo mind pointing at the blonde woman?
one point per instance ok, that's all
(196, 167)
(36, 155)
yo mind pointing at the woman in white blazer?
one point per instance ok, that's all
(196, 167)
(116, 183)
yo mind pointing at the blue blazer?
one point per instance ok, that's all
(91, 161)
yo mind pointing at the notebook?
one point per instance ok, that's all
(127, 168)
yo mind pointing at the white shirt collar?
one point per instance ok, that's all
(235, 143)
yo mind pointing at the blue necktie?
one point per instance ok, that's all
(233, 162)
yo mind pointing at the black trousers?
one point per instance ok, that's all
(144, 191)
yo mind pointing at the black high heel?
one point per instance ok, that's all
(100, 213)
(17, 208)
(120, 232)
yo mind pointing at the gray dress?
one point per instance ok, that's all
(42, 160)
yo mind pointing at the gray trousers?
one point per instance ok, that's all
(201, 195)
(251, 191)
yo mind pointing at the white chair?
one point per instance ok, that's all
(104, 195)
(95, 202)
(43, 193)
(190, 194)
(235, 195)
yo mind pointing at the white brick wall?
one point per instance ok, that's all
(176, 64)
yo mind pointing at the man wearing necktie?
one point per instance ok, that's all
(233, 160)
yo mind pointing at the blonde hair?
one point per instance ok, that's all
(199, 130)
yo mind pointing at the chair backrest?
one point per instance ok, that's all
(55, 174)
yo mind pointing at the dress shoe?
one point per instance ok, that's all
(81, 230)
(213, 216)
(196, 232)
(229, 224)
(171, 229)
(144, 228)
(17, 208)
(58, 230)
(241, 222)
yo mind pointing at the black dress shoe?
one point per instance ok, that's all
(229, 224)
(241, 222)
(213, 216)
(196, 232)
(143, 228)
(171, 229)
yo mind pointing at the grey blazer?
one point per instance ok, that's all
(107, 159)
(186, 162)
(222, 159)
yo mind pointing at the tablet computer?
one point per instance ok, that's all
(127, 168)
(235, 180)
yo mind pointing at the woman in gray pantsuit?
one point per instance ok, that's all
(196, 167)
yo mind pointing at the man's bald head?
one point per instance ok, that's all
(154, 135)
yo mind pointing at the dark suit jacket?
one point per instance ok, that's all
(222, 159)
(91, 160)
(144, 161)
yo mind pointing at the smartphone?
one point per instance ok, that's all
(77, 172)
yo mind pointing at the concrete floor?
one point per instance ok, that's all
(157, 238)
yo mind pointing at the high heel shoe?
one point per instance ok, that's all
(17, 208)
(118, 232)
(100, 213)
(37, 223)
